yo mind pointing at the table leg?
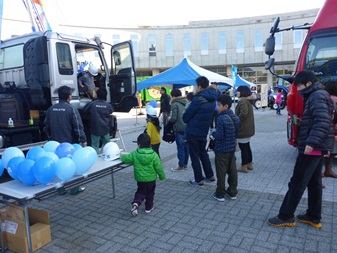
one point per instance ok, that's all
(28, 230)
(113, 184)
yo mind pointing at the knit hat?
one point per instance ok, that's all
(151, 111)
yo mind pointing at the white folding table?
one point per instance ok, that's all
(19, 194)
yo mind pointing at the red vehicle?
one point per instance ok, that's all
(318, 54)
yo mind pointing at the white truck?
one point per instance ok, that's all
(35, 65)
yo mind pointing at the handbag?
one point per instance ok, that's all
(168, 134)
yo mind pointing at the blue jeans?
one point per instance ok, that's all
(278, 110)
(198, 153)
(307, 174)
(183, 150)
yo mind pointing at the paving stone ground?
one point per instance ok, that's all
(186, 218)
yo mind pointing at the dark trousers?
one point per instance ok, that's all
(198, 153)
(307, 174)
(246, 153)
(155, 147)
(225, 164)
(145, 191)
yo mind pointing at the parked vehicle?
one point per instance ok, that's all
(318, 54)
(35, 65)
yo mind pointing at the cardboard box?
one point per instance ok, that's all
(14, 227)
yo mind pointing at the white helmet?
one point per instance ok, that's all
(151, 111)
(112, 153)
(108, 145)
(93, 70)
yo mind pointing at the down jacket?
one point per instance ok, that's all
(198, 115)
(227, 128)
(146, 164)
(316, 129)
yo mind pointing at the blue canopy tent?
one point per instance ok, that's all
(242, 82)
(184, 74)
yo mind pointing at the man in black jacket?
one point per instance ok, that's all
(64, 124)
(165, 106)
(315, 139)
(100, 119)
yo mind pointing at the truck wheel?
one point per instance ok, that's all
(257, 103)
(283, 105)
(274, 106)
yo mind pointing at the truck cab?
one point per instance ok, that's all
(318, 54)
(34, 66)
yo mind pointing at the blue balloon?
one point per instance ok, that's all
(35, 152)
(65, 168)
(25, 172)
(50, 155)
(84, 159)
(153, 103)
(51, 146)
(44, 170)
(12, 166)
(11, 152)
(65, 149)
(77, 146)
(2, 167)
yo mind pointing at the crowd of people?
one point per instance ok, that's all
(205, 114)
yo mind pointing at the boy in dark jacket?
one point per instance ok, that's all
(224, 149)
(315, 139)
(147, 166)
(100, 119)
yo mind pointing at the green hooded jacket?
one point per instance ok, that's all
(146, 164)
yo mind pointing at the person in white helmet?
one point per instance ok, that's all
(86, 81)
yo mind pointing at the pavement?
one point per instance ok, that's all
(186, 218)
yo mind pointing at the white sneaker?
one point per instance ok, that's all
(149, 211)
(134, 209)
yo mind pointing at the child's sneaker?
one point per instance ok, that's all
(220, 198)
(150, 210)
(210, 180)
(134, 209)
(193, 182)
(233, 197)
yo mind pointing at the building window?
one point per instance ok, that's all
(258, 40)
(169, 45)
(204, 44)
(116, 38)
(222, 42)
(298, 37)
(151, 40)
(187, 44)
(134, 40)
(278, 41)
(240, 42)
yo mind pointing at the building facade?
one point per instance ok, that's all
(214, 45)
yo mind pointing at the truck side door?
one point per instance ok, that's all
(122, 79)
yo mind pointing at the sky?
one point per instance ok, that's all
(132, 13)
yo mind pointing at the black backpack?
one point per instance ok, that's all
(168, 134)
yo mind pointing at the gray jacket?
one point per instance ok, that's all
(177, 109)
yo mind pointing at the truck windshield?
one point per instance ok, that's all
(321, 57)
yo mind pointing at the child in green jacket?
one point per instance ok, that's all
(147, 166)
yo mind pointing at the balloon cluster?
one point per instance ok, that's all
(41, 165)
